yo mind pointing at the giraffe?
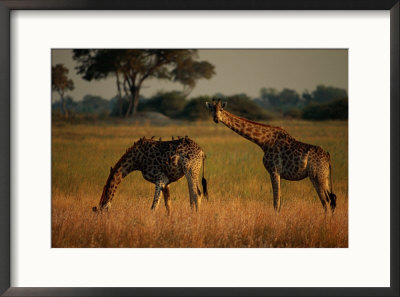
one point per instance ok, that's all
(284, 156)
(161, 163)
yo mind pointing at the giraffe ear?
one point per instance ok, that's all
(209, 105)
(224, 104)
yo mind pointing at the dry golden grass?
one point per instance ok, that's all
(238, 214)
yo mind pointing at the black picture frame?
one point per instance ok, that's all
(7, 6)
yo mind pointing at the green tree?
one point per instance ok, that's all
(195, 109)
(69, 104)
(61, 84)
(281, 101)
(243, 106)
(94, 105)
(324, 94)
(119, 106)
(132, 67)
(334, 110)
(169, 103)
(267, 95)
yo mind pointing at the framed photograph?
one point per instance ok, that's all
(199, 149)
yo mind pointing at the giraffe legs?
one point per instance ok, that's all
(193, 187)
(322, 191)
(167, 201)
(159, 187)
(276, 188)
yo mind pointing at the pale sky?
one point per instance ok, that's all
(237, 71)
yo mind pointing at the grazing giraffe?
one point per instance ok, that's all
(161, 163)
(284, 156)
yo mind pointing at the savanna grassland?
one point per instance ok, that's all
(238, 214)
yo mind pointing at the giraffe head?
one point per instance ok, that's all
(105, 200)
(216, 108)
(109, 190)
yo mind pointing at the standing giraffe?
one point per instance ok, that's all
(284, 156)
(161, 163)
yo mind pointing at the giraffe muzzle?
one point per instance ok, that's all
(100, 209)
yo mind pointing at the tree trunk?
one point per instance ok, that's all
(129, 97)
(130, 107)
(120, 100)
(135, 101)
(66, 114)
(63, 106)
(120, 106)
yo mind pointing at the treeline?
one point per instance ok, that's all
(321, 104)
(174, 105)
(88, 105)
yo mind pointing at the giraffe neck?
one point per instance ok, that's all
(122, 168)
(255, 132)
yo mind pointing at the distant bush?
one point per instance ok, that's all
(88, 105)
(294, 113)
(335, 110)
(70, 106)
(279, 101)
(170, 103)
(119, 106)
(196, 109)
(242, 106)
(324, 94)
(93, 105)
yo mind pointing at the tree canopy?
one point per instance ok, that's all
(169, 103)
(132, 67)
(325, 94)
(242, 105)
(60, 83)
(281, 101)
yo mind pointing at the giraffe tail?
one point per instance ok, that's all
(332, 196)
(204, 181)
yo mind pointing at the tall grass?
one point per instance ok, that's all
(239, 212)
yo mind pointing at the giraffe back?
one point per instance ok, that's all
(167, 158)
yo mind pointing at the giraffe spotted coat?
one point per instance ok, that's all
(284, 156)
(161, 163)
